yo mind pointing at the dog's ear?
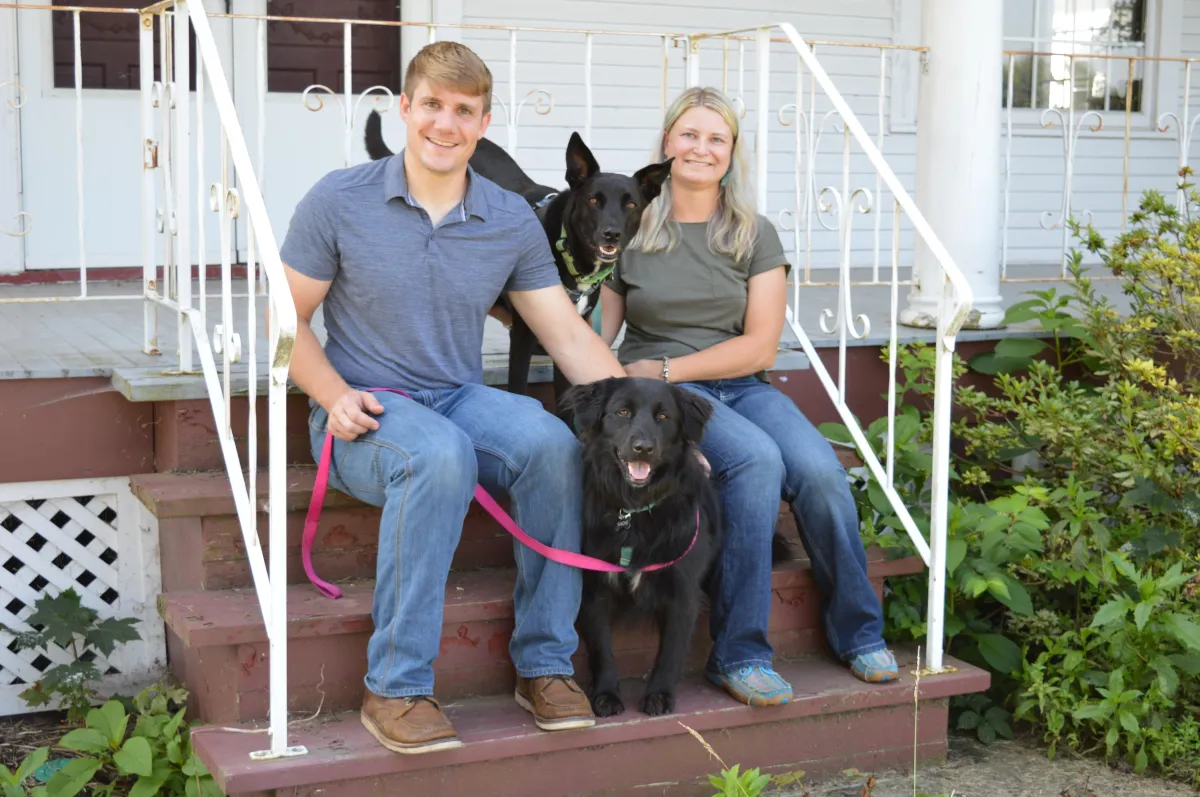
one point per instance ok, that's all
(650, 179)
(696, 411)
(586, 403)
(581, 164)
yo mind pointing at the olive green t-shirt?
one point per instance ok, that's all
(690, 298)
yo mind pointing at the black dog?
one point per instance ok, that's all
(588, 225)
(647, 500)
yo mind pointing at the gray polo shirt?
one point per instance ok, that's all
(408, 300)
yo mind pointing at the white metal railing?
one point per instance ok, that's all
(1126, 118)
(166, 110)
(845, 202)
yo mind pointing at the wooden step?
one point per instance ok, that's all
(202, 546)
(217, 641)
(835, 722)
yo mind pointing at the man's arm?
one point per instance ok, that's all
(311, 371)
(569, 340)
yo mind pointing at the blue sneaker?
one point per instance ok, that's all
(754, 685)
(876, 667)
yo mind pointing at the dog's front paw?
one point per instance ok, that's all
(656, 703)
(607, 704)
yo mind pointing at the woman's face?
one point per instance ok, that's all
(702, 146)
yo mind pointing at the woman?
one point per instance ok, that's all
(702, 290)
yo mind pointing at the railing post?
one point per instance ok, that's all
(149, 164)
(943, 377)
(182, 162)
(692, 62)
(762, 113)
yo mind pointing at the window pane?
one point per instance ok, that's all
(302, 54)
(108, 48)
(1067, 35)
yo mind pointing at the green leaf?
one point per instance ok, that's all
(1141, 614)
(111, 632)
(134, 757)
(1018, 348)
(1000, 652)
(1017, 599)
(111, 720)
(172, 727)
(990, 363)
(85, 740)
(1168, 678)
(1139, 761)
(836, 432)
(150, 785)
(1024, 311)
(1129, 722)
(986, 733)
(1112, 612)
(31, 764)
(1184, 629)
(71, 779)
(1092, 711)
(956, 551)
(63, 616)
(968, 720)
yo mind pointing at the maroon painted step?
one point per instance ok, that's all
(202, 546)
(201, 538)
(218, 647)
(834, 723)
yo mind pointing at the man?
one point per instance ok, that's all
(408, 254)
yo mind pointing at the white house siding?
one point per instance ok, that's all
(627, 99)
(628, 96)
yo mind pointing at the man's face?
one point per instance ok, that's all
(443, 126)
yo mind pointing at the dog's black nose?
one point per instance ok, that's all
(612, 235)
(642, 447)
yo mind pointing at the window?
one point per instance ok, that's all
(1059, 52)
(108, 48)
(301, 54)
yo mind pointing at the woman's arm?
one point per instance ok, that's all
(747, 354)
(612, 314)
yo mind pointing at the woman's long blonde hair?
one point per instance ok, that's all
(733, 227)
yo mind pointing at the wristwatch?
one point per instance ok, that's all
(666, 369)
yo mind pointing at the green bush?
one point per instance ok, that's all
(1073, 535)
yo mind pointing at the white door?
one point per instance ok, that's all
(110, 134)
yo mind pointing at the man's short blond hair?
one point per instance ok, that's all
(451, 65)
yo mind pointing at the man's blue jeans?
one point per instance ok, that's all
(761, 448)
(422, 466)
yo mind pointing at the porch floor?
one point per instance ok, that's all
(46, 331)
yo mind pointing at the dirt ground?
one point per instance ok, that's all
(1003, 769)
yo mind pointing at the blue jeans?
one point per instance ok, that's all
(761, 448)
(422, 466)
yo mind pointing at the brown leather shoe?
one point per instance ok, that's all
(408, 724)
(556, 702)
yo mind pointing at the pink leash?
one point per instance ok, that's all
(569, 558)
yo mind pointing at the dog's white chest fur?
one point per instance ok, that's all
(632, 580)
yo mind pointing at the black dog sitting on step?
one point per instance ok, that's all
(647, 500)
(588, 225)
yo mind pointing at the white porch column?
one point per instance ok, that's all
(958, 186)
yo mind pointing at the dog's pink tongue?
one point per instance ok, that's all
(639, 470)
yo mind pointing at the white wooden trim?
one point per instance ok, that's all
(905, 67)
(12, 247)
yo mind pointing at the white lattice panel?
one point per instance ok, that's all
(92, 535)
